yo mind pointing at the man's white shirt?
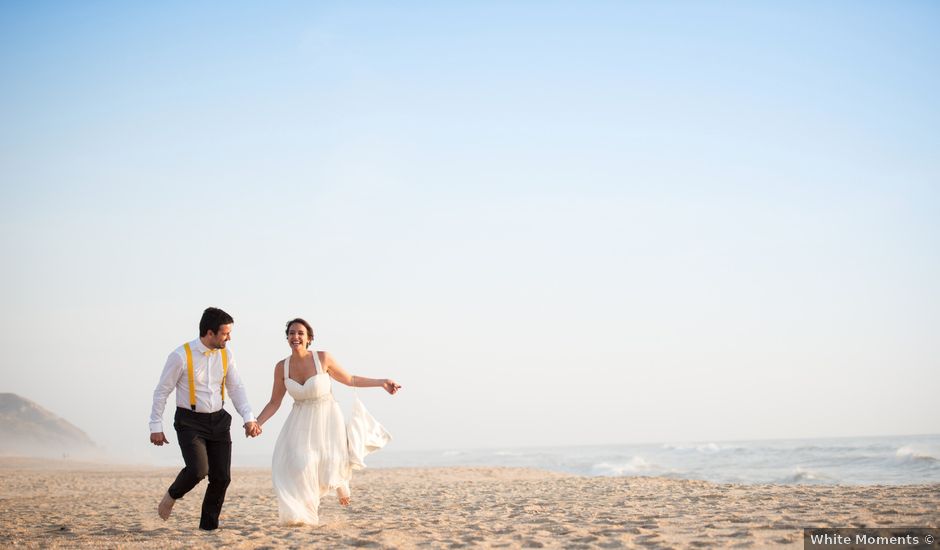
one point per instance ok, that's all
(207, 378)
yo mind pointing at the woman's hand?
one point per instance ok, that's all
(390, 386)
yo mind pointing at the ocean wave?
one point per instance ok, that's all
(701, 448)
(889, 460)
(508, 453)
(908, 452)
(635, 465)
(835, 448)
(803, 475)
(453, 453)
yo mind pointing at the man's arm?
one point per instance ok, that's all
(236, 389)
(168, 380)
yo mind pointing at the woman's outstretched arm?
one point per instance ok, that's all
(277, 395)
(340, 375)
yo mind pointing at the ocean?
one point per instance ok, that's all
(890, 460)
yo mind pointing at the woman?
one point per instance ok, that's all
(311, 458)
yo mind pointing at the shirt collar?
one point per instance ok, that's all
(199, 347)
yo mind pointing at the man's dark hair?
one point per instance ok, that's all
(212, 319)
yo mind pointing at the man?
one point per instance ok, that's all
(202, 371)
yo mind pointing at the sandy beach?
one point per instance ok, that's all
(59, 504)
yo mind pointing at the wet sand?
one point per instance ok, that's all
(59, 504)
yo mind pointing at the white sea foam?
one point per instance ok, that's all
(804, 475)
(635, 465)
(910, 452)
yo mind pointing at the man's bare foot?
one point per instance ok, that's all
(343, 497)
(166, 506)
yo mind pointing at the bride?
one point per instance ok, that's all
(311, 456)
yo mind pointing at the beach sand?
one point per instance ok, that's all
(60, 504)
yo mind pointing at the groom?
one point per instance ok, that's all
(202, 371)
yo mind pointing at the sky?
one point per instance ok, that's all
(552, 223)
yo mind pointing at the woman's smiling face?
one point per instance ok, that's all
(297, 336)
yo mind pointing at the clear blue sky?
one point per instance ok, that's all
(553, 223)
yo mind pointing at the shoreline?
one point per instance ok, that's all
(52, 504)
(24, 463)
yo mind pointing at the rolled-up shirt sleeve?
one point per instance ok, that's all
(169, 378)
(236, 389)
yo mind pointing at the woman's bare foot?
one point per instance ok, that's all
(343, 496)
(166, 506)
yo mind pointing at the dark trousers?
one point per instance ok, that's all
(206, 442)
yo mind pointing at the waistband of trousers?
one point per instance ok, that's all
(193, 414)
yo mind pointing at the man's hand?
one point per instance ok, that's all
(252, 429)
(159, 439)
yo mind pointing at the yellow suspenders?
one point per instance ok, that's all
(192, 384)
(224, 372)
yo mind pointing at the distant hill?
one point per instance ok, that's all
(26, 429)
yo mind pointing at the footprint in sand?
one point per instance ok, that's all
(648, 539)
(361, 543)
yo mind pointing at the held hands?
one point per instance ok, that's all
(390, 386)
(159, 439)
(252, 429)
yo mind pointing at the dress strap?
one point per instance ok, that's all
(316, 362)
(286, 368)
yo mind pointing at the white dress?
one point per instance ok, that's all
(312, 456)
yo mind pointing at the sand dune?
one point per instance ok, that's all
(65, 505)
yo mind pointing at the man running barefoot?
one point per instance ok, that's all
(201, 371)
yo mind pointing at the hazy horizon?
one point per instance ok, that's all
(253, 459)
(553, 224)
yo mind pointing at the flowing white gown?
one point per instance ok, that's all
(312, 455)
